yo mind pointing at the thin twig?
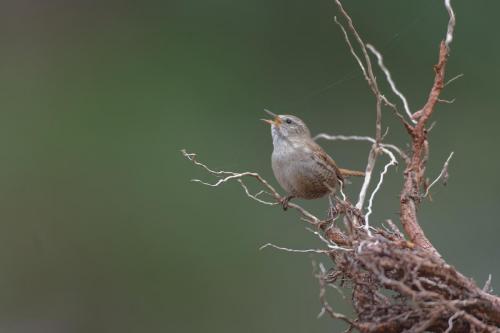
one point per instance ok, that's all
(451, 24)
(326, 307)
(452, 318)
(392, 162)
(446, 101)
(388, 77)
(442, 174)
(293, 250)
(456, 77)
(255, 196)
(354, 54)
(340, 137)
(372, 83)
(229, 175)
(487, 285)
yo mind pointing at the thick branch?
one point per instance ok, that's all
(414, 174)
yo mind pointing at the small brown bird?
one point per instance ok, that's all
(299, 164)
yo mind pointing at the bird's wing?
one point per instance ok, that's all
(322, 158)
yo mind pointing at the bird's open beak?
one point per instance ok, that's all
(276, 121)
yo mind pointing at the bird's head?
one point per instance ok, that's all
(287, 127)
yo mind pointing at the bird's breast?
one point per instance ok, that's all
(300, 175)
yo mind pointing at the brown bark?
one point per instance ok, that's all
(414, 174)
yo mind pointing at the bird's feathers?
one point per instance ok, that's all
(351, 173)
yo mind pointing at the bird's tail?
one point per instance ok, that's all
(351, 173)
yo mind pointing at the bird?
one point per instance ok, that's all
(302, 168)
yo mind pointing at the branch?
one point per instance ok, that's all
(442, 174)
(414, 173)
(321, 275)
(392, 162)
(384, 148)
(293, 250)
(389, 79)
(372, 83)
(229, 175)
(377, 146)
(415, 169)
(340, 137)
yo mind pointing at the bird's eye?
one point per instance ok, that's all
(288, 121)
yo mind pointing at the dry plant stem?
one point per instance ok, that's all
(410, 194)
(389, 78)
(320, 274)
(442, 175)
(225, 176)
(372, 83)
(414, 173)
(392, 162)
(429, 291)
(431, 319)
(341, 137)
(386, 149)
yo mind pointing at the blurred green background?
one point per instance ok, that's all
(101, 230)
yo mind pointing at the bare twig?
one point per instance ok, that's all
(370, 78)
(451, 24)
(487, 285)
(456, 77)
(388, 77)
(340, 137)
(443, 174)
(370, 165)
(446, 101)
(255, 196)
(392, 162)
(452, 318)
(367, 70)
(395, 229)
(326, 307)
(229, 175)
(384, 148)
(293, 250)
(353, 52)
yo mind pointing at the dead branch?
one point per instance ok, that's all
(415, 169)
(427, 291)
(366, 68)
(414, 173)
(225, 176)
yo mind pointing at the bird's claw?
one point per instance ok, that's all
(284, 202)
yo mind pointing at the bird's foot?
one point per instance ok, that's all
(284, 201)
